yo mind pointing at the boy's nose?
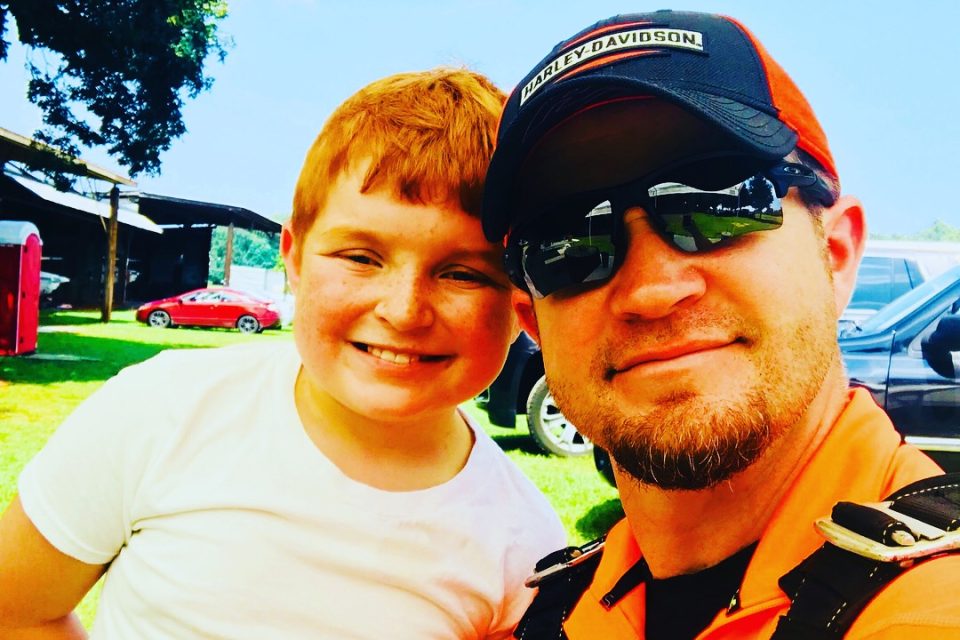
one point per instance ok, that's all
(406, 304)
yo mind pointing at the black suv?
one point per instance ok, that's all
(907, 355)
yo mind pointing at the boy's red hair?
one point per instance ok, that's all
(428, 137)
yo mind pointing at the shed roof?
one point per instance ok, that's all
(169, 211)
(18, 148)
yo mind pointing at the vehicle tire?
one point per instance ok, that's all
(248, 324)
(159, 318)
(552, 432)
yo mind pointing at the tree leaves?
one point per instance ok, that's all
(250, 248)
(115, 73)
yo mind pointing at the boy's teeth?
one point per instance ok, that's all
(390, 356)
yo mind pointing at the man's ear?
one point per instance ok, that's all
(523, 307)
(290, 251)
(845, 231)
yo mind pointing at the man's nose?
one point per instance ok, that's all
(406, 302)
(655, 278)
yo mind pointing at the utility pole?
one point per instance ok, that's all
(111, 255)
(228, 257)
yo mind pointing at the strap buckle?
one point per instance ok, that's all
(889, 536)
(572, 558)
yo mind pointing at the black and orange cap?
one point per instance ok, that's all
(709, 64)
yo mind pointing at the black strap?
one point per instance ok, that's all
(829, 589)
(832, 586)
(557, 596)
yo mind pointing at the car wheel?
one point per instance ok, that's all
(550, 429)
(248, 324)
(159, 318)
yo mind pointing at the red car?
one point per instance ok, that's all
(214, 307)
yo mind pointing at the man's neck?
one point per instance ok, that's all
(683, 532)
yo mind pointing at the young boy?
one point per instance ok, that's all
(328, 491)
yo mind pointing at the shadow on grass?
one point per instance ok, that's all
(518, 442)
(52, 318)
(99, 358)
(598, 520)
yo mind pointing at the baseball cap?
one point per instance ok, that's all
(708, 64)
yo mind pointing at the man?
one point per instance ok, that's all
(673, 220)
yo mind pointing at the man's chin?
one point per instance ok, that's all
(683, 472)
(689, 446)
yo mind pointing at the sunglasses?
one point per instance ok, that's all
(695, 207)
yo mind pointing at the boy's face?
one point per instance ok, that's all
(402, 310)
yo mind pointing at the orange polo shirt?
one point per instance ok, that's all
(861, 460)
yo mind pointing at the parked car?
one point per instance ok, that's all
(213, 307)
(886, 359)
(49, 282)
(521, 388)
(908, 356)
(890, 268)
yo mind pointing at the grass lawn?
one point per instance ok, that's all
(76, 354)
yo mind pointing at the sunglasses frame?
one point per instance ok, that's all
(781, 175)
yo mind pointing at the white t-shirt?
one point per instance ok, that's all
(192, 475)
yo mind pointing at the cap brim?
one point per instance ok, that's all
(757, 131)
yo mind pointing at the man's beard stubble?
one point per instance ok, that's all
(689, 442)
(717, 441)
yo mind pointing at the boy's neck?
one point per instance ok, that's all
(405, 454)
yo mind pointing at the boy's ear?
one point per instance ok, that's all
(290, 252)
(523, 307)
(845, 232)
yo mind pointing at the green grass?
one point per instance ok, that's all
(586, 504)
(76, 354)
(713, 225)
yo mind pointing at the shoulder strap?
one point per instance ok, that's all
(869, 546)
(562, 577)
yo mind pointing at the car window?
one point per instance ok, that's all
(900, 282)
(916, 345)
(907, 303)
(875, 283)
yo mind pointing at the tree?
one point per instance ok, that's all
(114, 73)
(939, 231)
(250, 249)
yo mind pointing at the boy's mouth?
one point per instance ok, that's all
(397, 357)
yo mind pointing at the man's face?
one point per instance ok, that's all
(685, 367)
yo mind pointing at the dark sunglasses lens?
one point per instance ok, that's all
(694, 219)
(578, 250)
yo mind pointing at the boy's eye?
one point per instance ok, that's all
(467, 275)
(360, 258)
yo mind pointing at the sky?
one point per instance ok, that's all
(882, 78)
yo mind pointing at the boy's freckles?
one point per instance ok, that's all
(402, 309)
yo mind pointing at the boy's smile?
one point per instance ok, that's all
(403, 309)
(398, 356)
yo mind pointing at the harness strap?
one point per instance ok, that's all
(559, 592)
(833, 585)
